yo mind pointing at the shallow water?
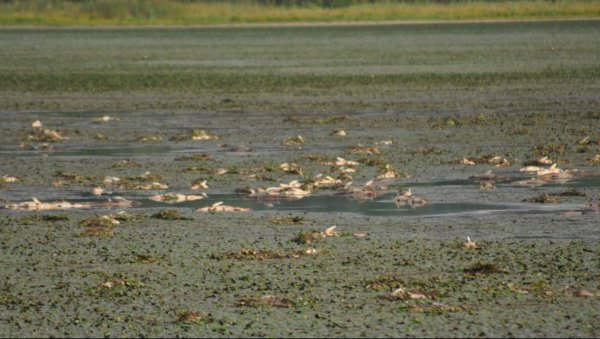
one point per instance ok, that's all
(463, 203)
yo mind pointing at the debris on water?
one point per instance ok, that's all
(172, 198)
(360, 234)
(368, 191)
(543, 161)
(219, 207)
(406, 198)
(418, 202)
(97, 191)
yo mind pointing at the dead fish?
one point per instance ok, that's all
(325, 181)
(219, 207)
(388, 173)
(470, 244)
(111, 180)
(403, 293)
(549, 171)
(119, 202)
(467, 162)
(36, 125)
(172, 198)
(105, 118)
(340, 162)
(36, 205)
(97, 190)
(418, 202)
(330, 232)
(291, 168)
(339, 133)
(385, 142)
(8, 178)
(486, 185)
(403, 197)
(199, 185)
(152, 186)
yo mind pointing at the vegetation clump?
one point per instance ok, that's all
(45, 218)
(484, 268)
(543, 198)
(549, 149)
(289, 220)
(265, 300)
(170, 214)
(308, 237)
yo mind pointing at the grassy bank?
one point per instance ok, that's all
(165, 12)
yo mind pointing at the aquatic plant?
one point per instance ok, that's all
(170, 215)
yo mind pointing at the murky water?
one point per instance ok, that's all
(462, 204)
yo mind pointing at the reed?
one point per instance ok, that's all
(169, 12)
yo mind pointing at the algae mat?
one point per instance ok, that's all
(141, 113)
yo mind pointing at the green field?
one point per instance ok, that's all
(336, 68)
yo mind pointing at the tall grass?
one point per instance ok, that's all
(172, 12)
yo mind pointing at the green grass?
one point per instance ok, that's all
(289, 68)
(164, 12)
